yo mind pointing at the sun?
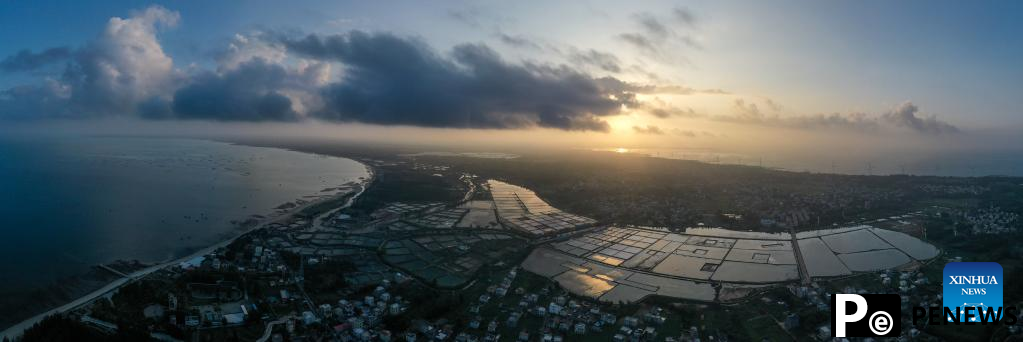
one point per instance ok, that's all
(621, 150)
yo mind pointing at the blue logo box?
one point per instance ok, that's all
(972, 284)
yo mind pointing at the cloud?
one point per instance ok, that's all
(658, 39)
(249, 92)
(26, 60)
(518, 41)
(395, 80)
(684, 16)
(653, 26)
(642, 42)
(243, 48)
(683, 132)
(253, 81)
(750, 113)
(384, 79)
(905, 115)
(649, 129)
(111, 75)
(677, 90)
(664, 112)
(693, 134)
(602, 60)
(581, 58)
(775, 106)
(465, 16)
(125, 65)
(672, 89)
(31, 101)
(387, 80)
(656, 130)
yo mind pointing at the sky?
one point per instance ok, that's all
(730, 75)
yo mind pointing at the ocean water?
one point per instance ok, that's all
(67, 204)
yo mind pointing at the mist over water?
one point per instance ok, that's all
(70, 203)
(955, 164)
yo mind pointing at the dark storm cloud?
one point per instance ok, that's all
(26, 60)
(248, 93)
(395, 80)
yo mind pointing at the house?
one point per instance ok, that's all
(154, 311)
(309, 318)
(631, 322)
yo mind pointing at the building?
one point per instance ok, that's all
(309, 318)
(791, 321)
(631, 322)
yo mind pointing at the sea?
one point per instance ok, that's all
(69, 203)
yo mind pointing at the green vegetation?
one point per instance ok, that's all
(61, 328)
(401, 184)
(678, 193)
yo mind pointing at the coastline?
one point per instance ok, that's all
(18, 329)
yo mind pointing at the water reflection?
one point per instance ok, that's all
(623, 264)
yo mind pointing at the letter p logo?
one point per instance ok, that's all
(849, 314)
(840, 316)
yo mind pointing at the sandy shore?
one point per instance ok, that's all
(108, 290)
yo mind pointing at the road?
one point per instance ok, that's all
(270, 327)
(804, 275)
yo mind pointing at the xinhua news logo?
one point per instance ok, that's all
(866, 315)
(971, 289)
(971, 294)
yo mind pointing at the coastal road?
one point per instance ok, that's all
(270, 327)
(16, 330)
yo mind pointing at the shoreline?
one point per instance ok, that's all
(18, 329)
